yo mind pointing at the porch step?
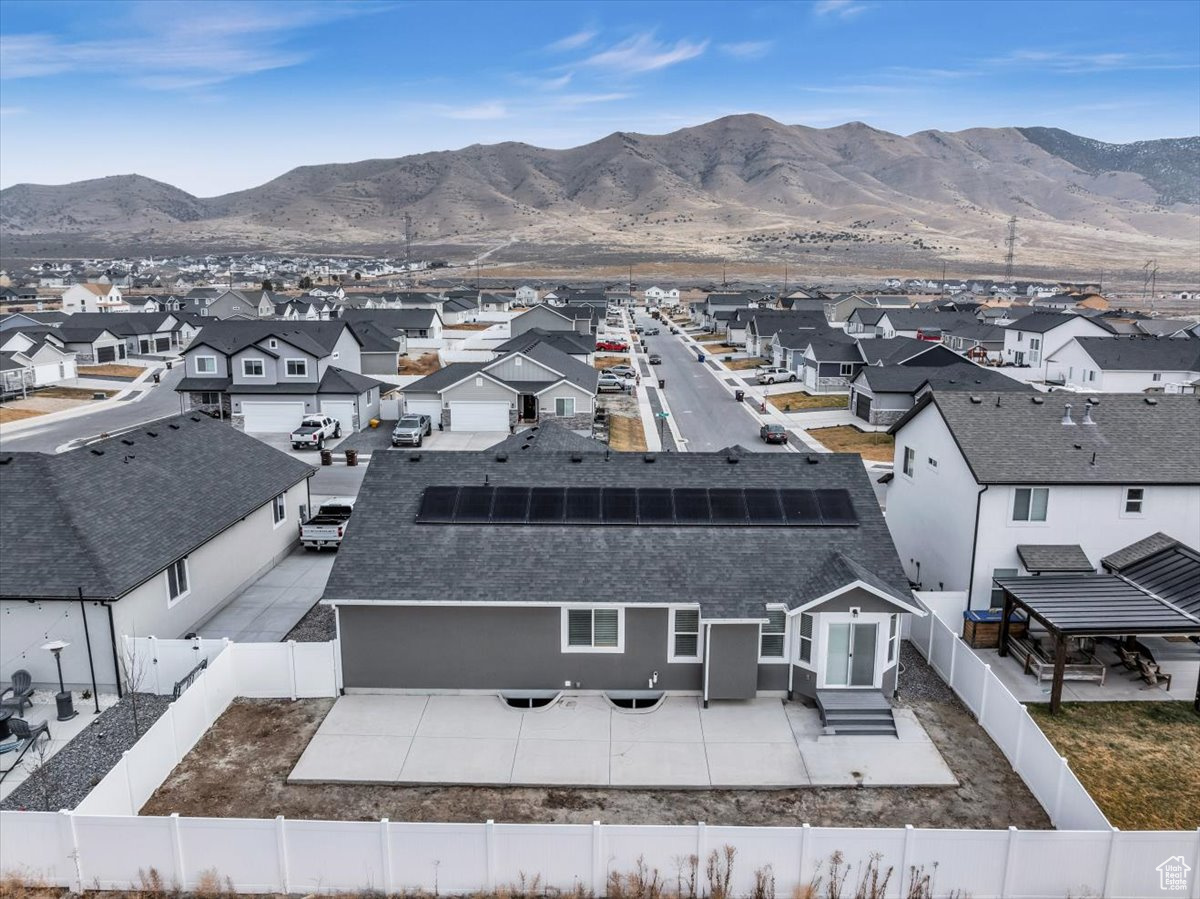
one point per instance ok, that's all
(856, 712)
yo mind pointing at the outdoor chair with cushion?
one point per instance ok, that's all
(22, 731)
(1152, 674)
(21, 690)
(1128, 659)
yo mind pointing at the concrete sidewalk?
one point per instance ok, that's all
(270, 607)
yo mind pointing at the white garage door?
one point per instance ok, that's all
(272, 418)
(479, 416)
(432, 408)
(343, 411)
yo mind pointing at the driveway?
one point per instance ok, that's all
(585, 741)
(270, 607)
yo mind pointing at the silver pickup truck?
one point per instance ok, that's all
(326, 529)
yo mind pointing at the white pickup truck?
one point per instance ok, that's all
(327, 528)
(314, 430)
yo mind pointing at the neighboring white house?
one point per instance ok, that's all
(93, 298)
(656, 296)
(526, 295)
(1032, 339)
(1129, 364)
(980, 476)
(43, 354)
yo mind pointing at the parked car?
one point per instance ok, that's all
(639, 329)
(769, 374)
(610, 382)
(612, 346)
(623, 371)
(651, 332)
(411, 430)
(328, 526)
(655, 359)
(773, 433)
(314, 430)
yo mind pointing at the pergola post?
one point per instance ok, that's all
(1005, 612)
(1060, 664)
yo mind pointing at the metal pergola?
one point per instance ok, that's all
(1089, 605)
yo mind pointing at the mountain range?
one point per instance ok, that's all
(741, 187)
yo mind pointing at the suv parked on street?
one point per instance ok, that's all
(769, 374)
(411, 430)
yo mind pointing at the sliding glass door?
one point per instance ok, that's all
(850, 654)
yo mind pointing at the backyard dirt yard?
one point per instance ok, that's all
(798, 400)
(240, 768)
(716, 340)
(50, 399)
(743, 364)
(875, 446)
(626, 434)
(110, 370)
(470, 326)
(1139, 760)
(425, 364)
(603, 362)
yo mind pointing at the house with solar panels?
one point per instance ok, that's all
(544, 566)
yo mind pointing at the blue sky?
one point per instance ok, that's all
(221, 96)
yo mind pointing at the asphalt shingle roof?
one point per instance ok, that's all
(1171, 572)
(1143, 353)
(959, 376)
(549, 436)
(567, 341)
(1054, 557)
(1136, 552)
(171, 492)
(230, 336)
(1041, 322)
(388, 556)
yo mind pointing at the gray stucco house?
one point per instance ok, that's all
(592, 572)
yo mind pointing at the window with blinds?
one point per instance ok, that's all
(685, 633)
(804, 651)
(772, 634)
(593, 628)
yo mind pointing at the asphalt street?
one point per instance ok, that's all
(156, 402)
(706, 414)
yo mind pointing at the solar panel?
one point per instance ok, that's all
(547, 504)
(762, 506)
(836, 507)
(800, 506)
(474, 505)
(619, 505)
(511, 505)
(728, 505)
(437, 505)
(583, 505)
(655, 506)
(691, 506)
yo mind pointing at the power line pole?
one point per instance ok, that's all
(1011, 243)
(943, 279)
(785, 281)
(408, 241)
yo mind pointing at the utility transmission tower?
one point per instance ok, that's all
(1011, 243)
(1149, 280)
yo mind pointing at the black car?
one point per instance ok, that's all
(773, 433)
(655, 359)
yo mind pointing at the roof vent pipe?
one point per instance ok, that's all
(1087, 414)
(1067, 415)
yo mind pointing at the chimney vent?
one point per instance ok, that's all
(1087, 414)
(1067, 415)
(1151, 401)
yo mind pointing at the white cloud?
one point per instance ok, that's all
(747, 49)
(1082, 63)
(644, 53)
(572, 41)
(839, 9)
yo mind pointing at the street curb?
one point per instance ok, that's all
(67, 414)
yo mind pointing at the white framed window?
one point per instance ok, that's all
(1157, 376)
(893, 634)
(997, 596)
(564, 406)
(1133, 502)
(206, 365)
(847, 369)
(273, 343)
(804, 645)
(279, 509)
(1020, 337)
(1030, 503)
(772, 636)
(178, 583)
(931, 462)
(593, 629)
(684, 636)
(296, 368)
(910, 458)
(479, 382)
(253, 368)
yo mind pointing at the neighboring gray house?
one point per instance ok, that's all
(543, 529)
(530, 385)
(575, 345)
(265, 376)
(147, 334)
(217, 302)
(580, 319)
(420, 328)
(147, 533)
(93, 344)
(380, 348)
(881, 394)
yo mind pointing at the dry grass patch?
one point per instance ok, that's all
(603, 362)
(425, 364)
(799, 399)
(72, 393)
(9, 414)
(743, 364)
(470, 326)
(712, 338)
(1138, 760)
(875, 446)
(625, 433)
(110, 370)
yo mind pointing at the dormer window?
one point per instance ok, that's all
(272, 343)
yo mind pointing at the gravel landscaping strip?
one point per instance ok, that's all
(918, 680)
(317, 626)
(76, 768)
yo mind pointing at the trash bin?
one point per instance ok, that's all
(699, 357)
(326, 457)
(157, 378)
(662, 382)
(168, 366)
(351, 457)
(739, 395)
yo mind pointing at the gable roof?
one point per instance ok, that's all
(1134, 439)
(548, 436)
(394, 319)
(1163, 566)
(1139, 353)
(1054, 557)
(958, 376)
(338, 380)
(181, 481)
(1041, 322)
(228, 337)
(567, 341)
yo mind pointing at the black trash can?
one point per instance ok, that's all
(351, 457)
(739, 395)
(168, 366)
(326, 457)
(699, 357)
(662, 382)
(157, 378)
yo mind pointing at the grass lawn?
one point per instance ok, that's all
(625, 433)
(111, 370)
(743, 364)
(71, 393)
(425, 364)
(798, 399)
(1137, 759)
(872, 445)
(7, 415)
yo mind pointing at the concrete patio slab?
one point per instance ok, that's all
(676, 720)
(658, 765)
(459, 760)
(746, 721)
(470, 717)
(583, 718)
(267, 609)
(387, 715)
(353, 758)
(561, 762)
(745, 764)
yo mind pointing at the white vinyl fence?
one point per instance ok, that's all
(1008, 723)
(103, 843)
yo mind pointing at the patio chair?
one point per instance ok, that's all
(21, 690)
(1153, 674)
(1128, 659)
(22, 731)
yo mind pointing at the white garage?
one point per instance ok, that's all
(479, 416)
(343, 411)
(271, 418)
(432, 408)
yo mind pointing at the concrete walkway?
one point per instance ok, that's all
(585, 741)
(270, 607)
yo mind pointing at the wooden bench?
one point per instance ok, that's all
(1081, 666)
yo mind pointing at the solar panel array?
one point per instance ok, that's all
(687, 506)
